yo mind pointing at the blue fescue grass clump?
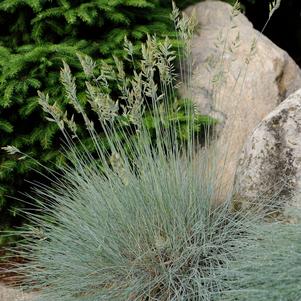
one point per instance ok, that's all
(153, 234)
(139, 218)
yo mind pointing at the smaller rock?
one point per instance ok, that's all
(270, 165)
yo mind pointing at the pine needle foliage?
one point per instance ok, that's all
(133, 225)
(36, 35)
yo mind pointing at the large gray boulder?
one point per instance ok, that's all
(239, 76)
(270, 164)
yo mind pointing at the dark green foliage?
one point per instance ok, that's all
(35, 36)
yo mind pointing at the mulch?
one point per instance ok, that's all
(6, 263)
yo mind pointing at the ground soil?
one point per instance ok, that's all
(7, 277)
(9, 290)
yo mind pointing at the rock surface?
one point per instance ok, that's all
(270, 163)
(239, 76)
(10, 294)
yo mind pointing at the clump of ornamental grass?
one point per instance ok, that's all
(139, 218)
(151, 233)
